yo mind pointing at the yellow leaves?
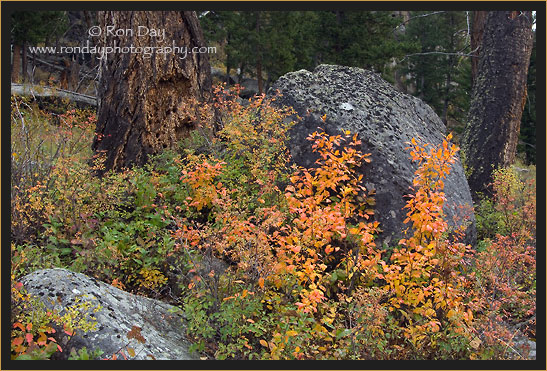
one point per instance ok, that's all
(319, 329)
(354, 231)
(416, 275)
(152, 279)
(264, 343)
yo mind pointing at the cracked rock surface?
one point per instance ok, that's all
(385, 119)
(160, 323)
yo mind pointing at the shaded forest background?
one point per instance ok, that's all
(425, 53)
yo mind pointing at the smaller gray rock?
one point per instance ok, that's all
(250, 88)
(160, 323)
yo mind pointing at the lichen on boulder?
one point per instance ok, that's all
(386, 120)
(157, 323)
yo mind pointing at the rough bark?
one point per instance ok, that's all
(148, 102)
(477, 30)
(16, 64)
(24, 62)
(73, 75)
(499, 94)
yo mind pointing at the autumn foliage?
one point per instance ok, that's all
(268, 260)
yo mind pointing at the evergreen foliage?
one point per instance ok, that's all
(438, 78)
(35, 27)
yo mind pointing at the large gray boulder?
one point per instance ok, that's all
(385, 119)
(160, 324)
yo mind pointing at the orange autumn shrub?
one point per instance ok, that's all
(424, 277)
(329, 232)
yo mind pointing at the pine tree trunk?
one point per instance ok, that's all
(16, 66)
(499, 94)
(24, 62)
(148, 103)
(477, 30)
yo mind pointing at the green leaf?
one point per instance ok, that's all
(66, 251)
(24, 357)
(340, 333)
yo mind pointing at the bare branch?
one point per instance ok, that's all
(418, 16)
(45, 91)
(470, 54)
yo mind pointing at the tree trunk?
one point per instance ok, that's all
(403, 85)
(74, 75)
(477, 30)
(88, 24)
(447, 94)
(499, 94)
(149, 102)
(16, 65)
(24, 62)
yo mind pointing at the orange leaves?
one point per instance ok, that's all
(201, 180)
(423, 278)
(310, 299)
(321, 201)
(293, 241)
(23, 338)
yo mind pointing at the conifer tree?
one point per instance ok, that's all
(31, 28)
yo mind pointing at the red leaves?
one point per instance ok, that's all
(135, 333)
(17, 341)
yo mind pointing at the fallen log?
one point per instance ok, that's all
(46, 91)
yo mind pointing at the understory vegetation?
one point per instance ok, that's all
(267, 260)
